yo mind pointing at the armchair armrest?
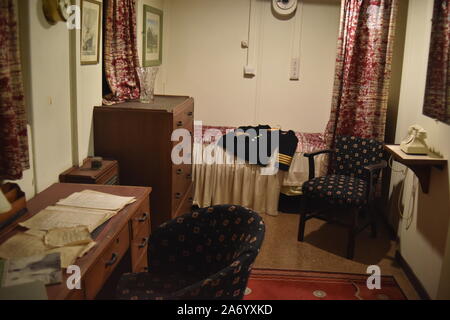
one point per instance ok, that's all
(376, 166)
(311, 157)
(316, 153)
(373, 169)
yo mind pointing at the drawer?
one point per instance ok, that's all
(110, 175)
(185, 206)
(139, 248)
(184, 119)
(105, 265)
(181, 177)
(141, 265)
(177, 198)
(140, 222)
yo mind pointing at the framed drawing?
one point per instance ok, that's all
(152, 41)
(91, 13)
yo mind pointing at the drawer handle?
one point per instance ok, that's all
(178, 196)
(144, 217)
(113, 260)
(190, 114)
(144, 243)
(179, 171)
(179, 124)
(191, 200)
(189, 176)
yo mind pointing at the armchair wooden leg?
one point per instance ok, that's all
(373, 222)
(301, 227)
(352, 234)
(304, 207)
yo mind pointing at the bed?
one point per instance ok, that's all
(229, 181)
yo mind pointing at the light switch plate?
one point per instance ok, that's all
(295, 69)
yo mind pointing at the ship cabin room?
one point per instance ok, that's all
(224, 150)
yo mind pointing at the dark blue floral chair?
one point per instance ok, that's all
(206, 254)
(356, 165)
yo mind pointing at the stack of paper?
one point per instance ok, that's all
(27, 245)
(66, 227)
(96, 200)
(56, 217)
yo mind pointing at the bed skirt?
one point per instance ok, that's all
(220, 178)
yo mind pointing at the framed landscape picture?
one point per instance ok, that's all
(90, 31)
(152, 41)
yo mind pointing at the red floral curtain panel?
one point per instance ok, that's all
(437, 93)
(120, 52)
(363, 68)
(14, 156)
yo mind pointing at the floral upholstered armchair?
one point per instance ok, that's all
(207, 254)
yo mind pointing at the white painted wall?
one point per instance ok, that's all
(424, 243)
(56, 114)
(88, 91)
(47, 83)
(203, 58)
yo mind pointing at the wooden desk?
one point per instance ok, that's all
(128, 230)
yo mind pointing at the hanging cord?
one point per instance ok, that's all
(407, 218)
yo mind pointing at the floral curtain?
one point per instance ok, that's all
(14, 156)
(363, 68)
(120, 51)
(437, 95)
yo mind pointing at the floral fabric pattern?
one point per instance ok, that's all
(121, 54)
(14, 157)
(363, 69)
(437, 103)
(207, 254)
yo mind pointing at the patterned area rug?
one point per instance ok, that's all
(268, 284)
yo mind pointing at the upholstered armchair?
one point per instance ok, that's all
(356, 165)
(206, 254)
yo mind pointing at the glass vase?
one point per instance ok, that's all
(147, 77)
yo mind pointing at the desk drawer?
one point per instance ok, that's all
(140, 222)
(141, 265)
(139, 248)
(106, 264)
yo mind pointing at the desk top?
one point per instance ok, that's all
(62, 190)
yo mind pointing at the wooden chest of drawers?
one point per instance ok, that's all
(138, 136)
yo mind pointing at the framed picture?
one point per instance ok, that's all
(152, 42)
(91, 13)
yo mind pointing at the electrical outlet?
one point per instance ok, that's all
(295, 69)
